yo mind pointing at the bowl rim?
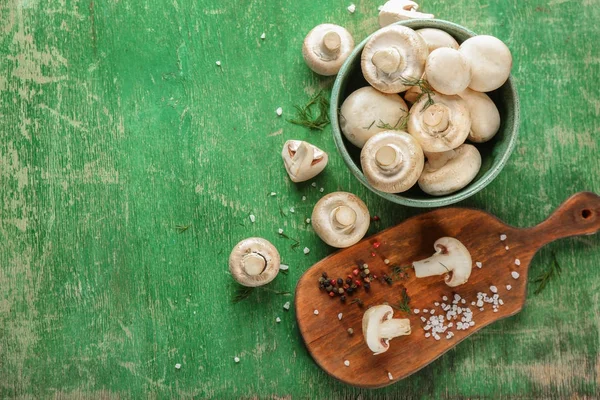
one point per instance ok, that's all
(440, 201)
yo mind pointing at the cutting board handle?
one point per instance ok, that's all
(578, 215)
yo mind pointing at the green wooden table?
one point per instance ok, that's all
(116, 125)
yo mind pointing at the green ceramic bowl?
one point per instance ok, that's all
(494, 153)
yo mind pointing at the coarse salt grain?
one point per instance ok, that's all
(479, 264)
(321, 190)
(386, 261)
(432, 312)
(494, 289)
(427, 334)
(286, 306)
(280, 231)
(351, 8)
(416, 311)
(278, 320)
(284, 267)
(340, 316)
(495, 310)
(306, 250)
(425, 310)
(236, 359)
(463, 301)
(273, 194)
(347, 363)
(252, 218)
(303, 198)
(177, 366)
(279, 111)
(218, 63)
(316, 312)
(503, 237)
(445, 298)
(308, 220)
(508, 287)
(506, 248)
(390, 377)
(515, 274)
(314, 184)
(292, 210)
(263, 36)
(436, 304)
(517, 262)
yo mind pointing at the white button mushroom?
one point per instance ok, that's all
(441, 126)
(400, 10)
(392, 56)
(448, 71)
(326, 47)
(366, 111)
(485, 118)
(392, 161)
(490, 61)
(449, 171)
(436, 38)
(379, 328)
(254, 262)
(303, 160)
(340, 219)
(451, 257)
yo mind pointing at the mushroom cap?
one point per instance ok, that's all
(448, 71)
(447, 172)
(393, 55)
(485, 118)
(254, 262)
(372, 319)
(366, 109)
(436, 38)
(392, 161)
(303, 160)
(400, 10)
(490, 61)
(340, 219)
(442, 126)
(326, 47)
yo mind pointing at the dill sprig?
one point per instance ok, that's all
(404, 303)
(545, 277)
(182, 228)
(399, 272)
(424, 86)
(243, 292)
(357, 301)
(306, 116)
(296, 241)
(400, 125)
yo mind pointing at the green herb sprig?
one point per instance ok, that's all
(306, 115)
(399, 273)
(545, 277)
(296, 241)
(404, 303)
(424, 86)
(182, 228)
(243, 292)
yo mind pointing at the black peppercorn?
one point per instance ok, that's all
(324, 275)
(329, 288)
(362, 274)
(340, 281)
(367, 286)
(343, 298)
(349, 281)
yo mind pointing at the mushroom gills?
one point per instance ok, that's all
(302, 160)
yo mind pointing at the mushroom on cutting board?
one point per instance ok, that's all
(485, 118)
(451, 257)
(448, 71)
(303, 160)
(449, 171)
(436, 38)
(379, 327)
(490, 61)
(254, 262)
(400, 10)
(441, 126)
(340, 219)
(366, 111)
(326, 47)
(392, 161)
(392, 56)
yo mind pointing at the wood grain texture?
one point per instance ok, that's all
(116, 125)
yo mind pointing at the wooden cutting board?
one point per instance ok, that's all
(326, 336)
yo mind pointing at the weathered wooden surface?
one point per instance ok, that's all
(116, 125)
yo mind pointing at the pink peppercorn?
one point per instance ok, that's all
(355, 272)
(376, 245)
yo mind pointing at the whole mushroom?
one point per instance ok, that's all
(436, 38)
(340, 219)
(392, 161)
(366, 111)
(450, 171)
(303, 160)
(448, 71)
(490, 61)
(400, 10)
(254, 262)
(441, 126)
(392, 57)
(379, 327)
(451, 257)
(326, 47)
(485, 118)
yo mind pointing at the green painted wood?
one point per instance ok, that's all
(116, 125)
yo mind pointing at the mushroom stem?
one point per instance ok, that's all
(388, 156)
(254, 264)
(431, 266)
(331, 44)
(437, 117)
(394, 327)
(451, 257)
(388, 60)
(343, 217)
(439, 160)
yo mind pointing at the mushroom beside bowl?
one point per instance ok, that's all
(494, 154)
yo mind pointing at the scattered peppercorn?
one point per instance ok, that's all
(333, 282)
(324, 275)
(329, 288)
(340, 290)
(349, 280)
(375, 218)
(355, 272)
(367, 286)
(357, 282)
(367, 271)
(331, 294)
(363, 274)
(340, 281)
(350, 331)
(342, 298)
(376, 245)
(367, 280)
(373, 254)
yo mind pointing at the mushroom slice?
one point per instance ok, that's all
(449, 171)
(490, 61)
(485, 118)
(392, 56)
(441, 126)
(326, 47)
(400, 10)
(340, 219)
(392, 161)
(448, 71)
(303, 160)
(379, 328)
(436, 38)
(451, 257)
(366, 111)
(254, 262)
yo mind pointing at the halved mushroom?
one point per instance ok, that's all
(441, 126)
(340, 219)
(368, 111)
(490, 61)
(379, 327)
(400, 10)
(448, 71)
(392, 161)
(450, 171)
(303, 160)
(485, 118)
(326, 47)
(254, 262)
(392, 57)
(451, 257)
(436, 38)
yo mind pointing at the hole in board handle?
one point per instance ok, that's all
(585, 214)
